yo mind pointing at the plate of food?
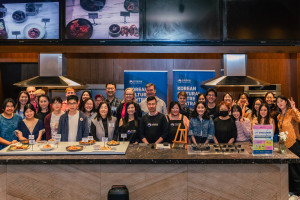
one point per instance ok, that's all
(74, 148)
(132, 6)
(113, 143)
(47, 147)
(90, 142)
(92, 5)
(19, 16)
(52, 141)
(24, 141)
(34, 31)
(79, 29)
(18, 147)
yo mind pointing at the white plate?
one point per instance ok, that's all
(47, 149)
(34, 26)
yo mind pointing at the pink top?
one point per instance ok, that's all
(243, 130)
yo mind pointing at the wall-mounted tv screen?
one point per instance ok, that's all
(102, 19)
(29, 19)
(177, 20)
(262, 20)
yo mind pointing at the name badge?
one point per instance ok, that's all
(111, 125)
(85, 140)
(123, 135)
(31, 137)
(32, 142)
(113, 108)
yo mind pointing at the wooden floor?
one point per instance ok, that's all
(228, 181)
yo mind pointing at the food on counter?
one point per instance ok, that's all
(47, 146)
(74, 148)
(18, 146)
(87, 143)
(113, 143)
(105, 148)
(51, 140)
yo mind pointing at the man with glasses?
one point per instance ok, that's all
(73, 125)
(211, 96)
(113, 101)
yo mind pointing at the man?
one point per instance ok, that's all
(151, 92)
(69, 91)
(111, 99)
(154, 125)
(211, 96)
(31, 92)
(73, 124)
(184, 109)
(98, 99)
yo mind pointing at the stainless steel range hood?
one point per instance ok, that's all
(52, 71)
(235, 73)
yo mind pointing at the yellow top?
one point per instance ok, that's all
(290, 124)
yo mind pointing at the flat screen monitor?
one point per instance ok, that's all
(102, 20)
(262, 20)
(182, 20)
(29, 20)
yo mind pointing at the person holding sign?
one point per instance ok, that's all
(225, 128)
(104, 124)
(288, 121)
(113, 101)
(201, 126)
(129, 125)
(73, 124)
(51, 121)
(154, 125)
(8, 123)
(243, 125)
(174, 119)
(263, 117)
(30, 125)
(129, 97)
(160, 104)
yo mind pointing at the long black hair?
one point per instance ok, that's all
(195, 113)
(267, 119)
(6, 101)
(29, 106)
(85, 101)
(288, 105)
(39, 107)
(126, 118)
(254, 114)
(238, 108)
(81, 101)
(108, 113)
(172, 104)
(18, 106)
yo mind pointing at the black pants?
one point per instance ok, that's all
(294, 171)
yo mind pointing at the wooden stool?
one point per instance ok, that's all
(183, 137)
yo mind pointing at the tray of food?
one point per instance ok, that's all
(100, 148)
(18, 147)
(90, 142)
(47, 147)
(113, 143)
(74, 148)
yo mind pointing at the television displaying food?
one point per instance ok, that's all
(29, 19)
(102, 19)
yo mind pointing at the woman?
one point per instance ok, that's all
(228, 99)
(184, 109)
(30, 125)
(225, 128)
(263, 117)
(255, 107)
(129, 124)
(201, 97)
(129, 96)
(243, 102)
(270, 99)
(51, 121)
(8, 123)
(22, 100)
(243, 125)
(174, 119)
(104, 123)
(43, 107)
(85, 95)
(201, 126)
(288, 120)
(88, 109)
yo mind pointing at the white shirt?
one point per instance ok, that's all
(54, 121)
(73, 127)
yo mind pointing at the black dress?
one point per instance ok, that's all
(225, 130)
(131, 129)
(41, 116)
(172, 128)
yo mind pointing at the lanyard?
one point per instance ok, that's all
(282, 119)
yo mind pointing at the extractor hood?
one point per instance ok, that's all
(235, 73)
(52, 71)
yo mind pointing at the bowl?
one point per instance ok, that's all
(92, 5)
(19, 16)
(114, 30)
(79, 29)
(34, 31)
(131, 6)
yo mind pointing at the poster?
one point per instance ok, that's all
(139, 79)
(190, 82)
(262, 139)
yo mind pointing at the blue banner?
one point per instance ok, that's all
(139, 79)
(190, 82)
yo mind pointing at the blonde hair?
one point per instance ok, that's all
(134, 96)
(39, 92)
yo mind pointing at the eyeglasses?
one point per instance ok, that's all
(129, 94)
(72, 104)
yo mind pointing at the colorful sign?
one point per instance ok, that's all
(262, 139)
(190, 82)
(139, 79)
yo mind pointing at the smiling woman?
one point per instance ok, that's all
(8, 123)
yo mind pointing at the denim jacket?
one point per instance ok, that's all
(202, 128)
